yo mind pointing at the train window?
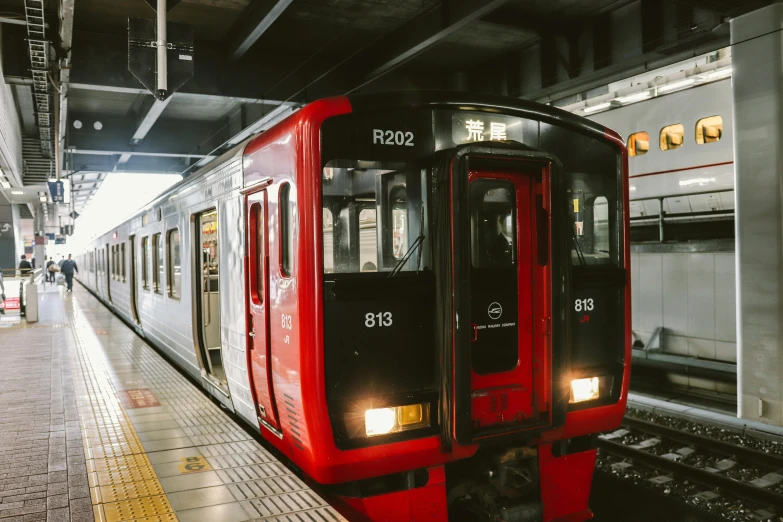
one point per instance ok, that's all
(145, 263)
(286, 230)
(593, 223)
(709, 130)
(600, 218)
(373, 217)
(328, 237)
(259, 254)
(157, 263)
(638, 144)
(672, 136)
(368, 240)
(493, 236)
(122, 261)
(173, 267)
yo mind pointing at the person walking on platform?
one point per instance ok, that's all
(24, 266)
(49, 271)
(68, 269)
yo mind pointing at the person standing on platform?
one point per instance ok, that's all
(24, 266)
(68, 269)
(49, 272)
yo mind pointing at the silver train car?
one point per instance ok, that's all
(681, 157)
(206, 207)
(680, 148)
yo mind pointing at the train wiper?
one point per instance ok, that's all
(416, 243)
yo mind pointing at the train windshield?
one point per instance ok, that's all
(374, 217)
(593, 207)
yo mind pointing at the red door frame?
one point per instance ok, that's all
(257, 324)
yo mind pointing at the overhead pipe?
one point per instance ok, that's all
(163, 89)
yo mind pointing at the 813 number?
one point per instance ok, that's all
(380, 319)
(583, 305)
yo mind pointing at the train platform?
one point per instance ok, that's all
(96, 425)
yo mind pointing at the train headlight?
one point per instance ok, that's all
(382, 421)
(585, 389)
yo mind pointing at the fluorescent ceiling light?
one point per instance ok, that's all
(598, 107)
(17, 192)
(42, 199)
(639, 96)
(676, 85)
(5, 184)
(718, 74)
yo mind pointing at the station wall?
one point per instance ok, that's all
(693, 297)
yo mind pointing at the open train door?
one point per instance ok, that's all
(256, 285)
(507, 280)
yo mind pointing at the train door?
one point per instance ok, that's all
(257, 283)
(509, 305)
(99, 275)
(207, 296)
(108, 273)
(134, 297)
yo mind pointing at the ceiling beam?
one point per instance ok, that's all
(256, 19)
(149, 118)
(425, 32)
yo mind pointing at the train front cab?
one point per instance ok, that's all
(470, 308)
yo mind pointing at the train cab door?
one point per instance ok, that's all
(257, 283)
(508, 291)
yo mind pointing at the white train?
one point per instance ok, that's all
(683, 290)
(679, 144)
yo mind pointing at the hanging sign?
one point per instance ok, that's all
(57, 191)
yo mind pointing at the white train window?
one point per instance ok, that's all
(672, 136)
(122, 260)
(709, 130)
(173, 266)
(638, 144)
(157, 263)
(145, 263)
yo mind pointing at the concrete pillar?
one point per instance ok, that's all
(8, 255)
(757, 85)
(39, 227)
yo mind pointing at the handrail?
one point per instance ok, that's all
(662, 213)
(682, 194)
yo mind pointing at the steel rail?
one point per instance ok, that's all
(743, 454)
(736, 488)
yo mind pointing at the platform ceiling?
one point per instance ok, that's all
(251, 56)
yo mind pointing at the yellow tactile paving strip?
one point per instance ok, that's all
(123, 485)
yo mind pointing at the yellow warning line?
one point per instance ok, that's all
(123, 484)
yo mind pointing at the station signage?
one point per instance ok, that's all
(57, 191)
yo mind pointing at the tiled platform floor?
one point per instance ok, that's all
(94, 424)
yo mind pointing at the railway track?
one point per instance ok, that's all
(767, 467)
